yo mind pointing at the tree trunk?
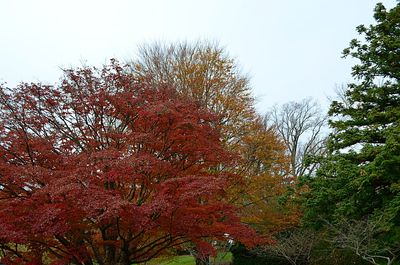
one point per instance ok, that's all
(202, 260)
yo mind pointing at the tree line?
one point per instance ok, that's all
(166, 154)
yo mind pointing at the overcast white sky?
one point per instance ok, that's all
(291, 49)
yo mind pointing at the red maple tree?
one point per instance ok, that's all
(108, 169)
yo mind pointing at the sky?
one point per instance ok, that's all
(290, 49)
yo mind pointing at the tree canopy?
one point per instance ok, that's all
(109, 169)
(204, 72)
(359, 180)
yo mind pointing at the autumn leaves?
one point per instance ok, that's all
(111, 167)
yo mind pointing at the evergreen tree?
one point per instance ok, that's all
(360, 178)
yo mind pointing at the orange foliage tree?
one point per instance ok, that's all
(204, 72)
(267, 199)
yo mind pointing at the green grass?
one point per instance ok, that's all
(222, 258)
(177, 260)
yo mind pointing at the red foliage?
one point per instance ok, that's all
(107, 167)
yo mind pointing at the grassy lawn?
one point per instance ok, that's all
(221, 259)
(177, 260)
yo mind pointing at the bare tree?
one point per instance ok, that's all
(340, 95)
(300, 125)
(360, 236)
(294, 246)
